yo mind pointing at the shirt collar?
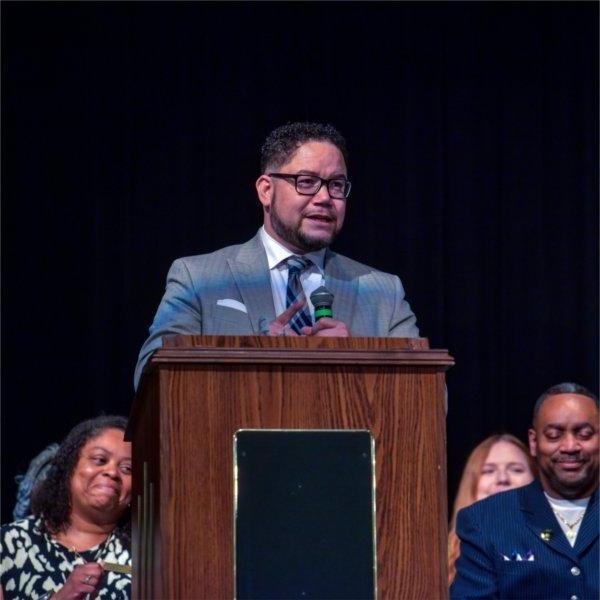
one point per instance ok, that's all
(277, 253)
(564, 503)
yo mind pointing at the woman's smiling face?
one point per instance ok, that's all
(101, 479)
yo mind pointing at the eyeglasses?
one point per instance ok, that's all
(309, 185)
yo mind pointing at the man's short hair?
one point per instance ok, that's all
(562, 388)
(282, 142)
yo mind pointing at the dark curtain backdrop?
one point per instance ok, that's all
(130, 137)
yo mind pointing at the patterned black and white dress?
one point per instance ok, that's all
(33, 565)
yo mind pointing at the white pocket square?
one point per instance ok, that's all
(516, 557)
(231, 303)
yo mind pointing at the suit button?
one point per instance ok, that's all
(575, 571)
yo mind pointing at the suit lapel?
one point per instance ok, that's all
(588, 531)
(342, 285)
(540, 518)
(250, 270)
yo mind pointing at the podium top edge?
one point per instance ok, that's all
(300, 342)
(301, 350)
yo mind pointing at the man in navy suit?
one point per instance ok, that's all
(541, 540)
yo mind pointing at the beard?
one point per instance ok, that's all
(571, 488)
(294, 234)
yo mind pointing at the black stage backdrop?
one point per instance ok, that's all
(131, 135)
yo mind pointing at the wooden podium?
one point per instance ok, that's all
(197, 391)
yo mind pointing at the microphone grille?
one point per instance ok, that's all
(321, 297)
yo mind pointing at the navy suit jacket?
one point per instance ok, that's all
(513, 522)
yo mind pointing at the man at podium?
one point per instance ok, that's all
(264, 286)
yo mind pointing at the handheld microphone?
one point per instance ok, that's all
(322, 299)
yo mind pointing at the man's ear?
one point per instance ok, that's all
(264, 189)
(532, 442)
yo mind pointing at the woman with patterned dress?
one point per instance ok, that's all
(76, 544)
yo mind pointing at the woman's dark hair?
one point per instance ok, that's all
(51, 498)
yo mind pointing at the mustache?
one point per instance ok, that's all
(328, 218)
(561, 458)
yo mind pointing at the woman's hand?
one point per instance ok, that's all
(83, 580)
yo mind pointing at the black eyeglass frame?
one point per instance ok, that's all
(294, 176)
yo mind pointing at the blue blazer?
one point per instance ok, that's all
(521, 521)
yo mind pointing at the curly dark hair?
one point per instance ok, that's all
(282, 142)
(51, 498)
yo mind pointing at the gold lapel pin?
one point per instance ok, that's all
(546, 535)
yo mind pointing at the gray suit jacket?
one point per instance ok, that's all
(369, 302)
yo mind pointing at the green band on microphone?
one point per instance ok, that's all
(323, 311)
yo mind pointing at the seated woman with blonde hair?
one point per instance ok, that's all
(499, 463)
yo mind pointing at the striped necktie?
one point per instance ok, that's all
(297, 264)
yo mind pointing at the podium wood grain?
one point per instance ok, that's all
(199, 391)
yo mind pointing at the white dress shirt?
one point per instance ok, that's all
(571, 511)
(311, 278)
